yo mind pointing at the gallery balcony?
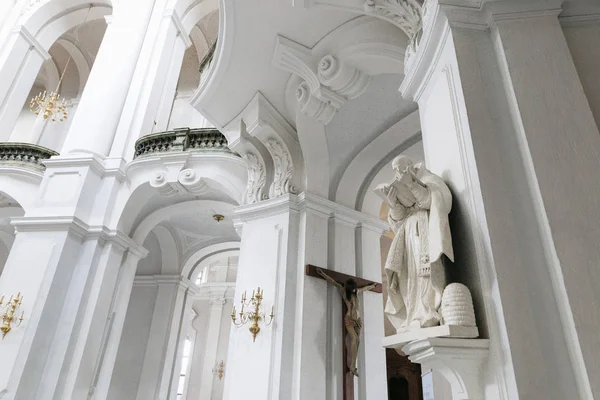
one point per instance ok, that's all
(188, 162)
(24, 155)
(207, 140)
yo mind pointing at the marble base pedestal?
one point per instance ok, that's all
(459, 360)
(450, 331)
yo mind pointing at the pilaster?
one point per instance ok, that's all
(160, 362)
(112, 335)
(216, 303)
(68, 282)
(479, 84)
(278, 238)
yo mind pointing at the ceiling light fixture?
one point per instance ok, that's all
(218, 217)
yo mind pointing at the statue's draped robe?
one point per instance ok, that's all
(415, 258)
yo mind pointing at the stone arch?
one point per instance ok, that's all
(355, 182)
(153, 219)
(207, 255)
(27, 49)
(20, 184)
(9, 208)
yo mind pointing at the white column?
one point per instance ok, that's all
(9, 13)
(212, 345)
(104, 96)
(107, 357)
(34, 134)
(519, 149)
(67, 288)
(19, 65)
(269, 259)
(153, 85)
(201, 326)
(300, 355)
(186, 330)
(159, 361)
(372, 383)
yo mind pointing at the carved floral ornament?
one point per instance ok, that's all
(283, 169)
(257, 179)
(407, 15)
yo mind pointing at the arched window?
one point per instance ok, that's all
(199, 278)
(185, 361)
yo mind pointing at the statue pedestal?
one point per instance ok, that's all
(460, 361)
(448, 331)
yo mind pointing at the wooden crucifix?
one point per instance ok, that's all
(349, 287)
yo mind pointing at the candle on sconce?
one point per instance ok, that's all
(255, 315)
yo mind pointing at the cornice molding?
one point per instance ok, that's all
(218, 292)
(78, 227)
(306, 201)
(104, 167)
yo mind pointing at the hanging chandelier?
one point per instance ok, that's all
(51, 105)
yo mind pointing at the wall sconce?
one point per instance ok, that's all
(253, 316)
(219, 369)
(8, 317)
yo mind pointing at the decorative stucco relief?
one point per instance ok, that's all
(284, 169)
(257, 179)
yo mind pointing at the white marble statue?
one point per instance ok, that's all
(419, 205)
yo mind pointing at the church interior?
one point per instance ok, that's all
(299, 199)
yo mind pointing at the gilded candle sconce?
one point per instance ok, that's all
(9, 317)
(254, 316)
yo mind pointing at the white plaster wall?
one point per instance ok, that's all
(23, 127)
(130, 359)
(152, 264)
(4, 250)
(583, 42)
(183, 115)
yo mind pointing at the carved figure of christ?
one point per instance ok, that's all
(349, 287)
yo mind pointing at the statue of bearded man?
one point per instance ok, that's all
(419, 205)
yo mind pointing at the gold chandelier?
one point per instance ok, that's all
(52, 105)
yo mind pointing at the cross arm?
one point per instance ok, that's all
(311, 270)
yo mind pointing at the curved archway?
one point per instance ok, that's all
(363, 168)
(208, 254)
(35, 31)
(9, 208)
(20, 184)
(186, 207)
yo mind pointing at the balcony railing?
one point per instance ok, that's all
(184, 139)
(24, 155)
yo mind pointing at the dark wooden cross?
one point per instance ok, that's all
(311, 270)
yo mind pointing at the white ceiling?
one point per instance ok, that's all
(256, 26)
(361, 120)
